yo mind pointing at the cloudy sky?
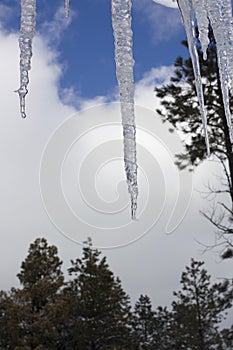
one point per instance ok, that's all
(61, 168)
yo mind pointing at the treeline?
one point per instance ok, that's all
(92, 311)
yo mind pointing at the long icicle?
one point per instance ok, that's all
(27, 31)
(121, 22)
(187, 13)
(220, 15)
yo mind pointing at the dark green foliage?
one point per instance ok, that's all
(92, 312)
(33, 310)
(10, 329)
(198, 310)
(163, 335)
(152, 329)
(227, 338)
(193, 323)
(143, 322)
(101, 309)
(41, 273)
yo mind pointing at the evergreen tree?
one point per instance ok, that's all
(198, 310)
(34, 311)
(227, 338)
(163, 337)
(180, 107)
(143, 322)
(41, 274)
(92, 311)
(100, 312)
(10, 330)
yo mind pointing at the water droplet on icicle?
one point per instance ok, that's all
(121, 22)
(27, 31)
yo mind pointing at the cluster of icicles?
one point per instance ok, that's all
(217, 13)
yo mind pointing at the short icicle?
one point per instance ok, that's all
(27, 31)
(121, 22)
(187, 14)
(203, 24)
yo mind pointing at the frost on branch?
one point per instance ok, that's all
(121, 22)
(27, 30)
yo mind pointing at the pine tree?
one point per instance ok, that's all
(10, 330)
(163, 337)
(36, 311)
(41, 273)
(227, 338)
(198, 310)
(143, 322)
(100, 313)
(180, 107)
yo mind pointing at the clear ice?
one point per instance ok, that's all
(218, 14)
(188, 17)
(27, 31)
(67, 8)
(123, 37)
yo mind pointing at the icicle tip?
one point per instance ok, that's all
(134, 195)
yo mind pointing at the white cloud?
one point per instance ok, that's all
(144, 93)
(22, 143)
(54, 29)
(157, 76)
(167, 3)
(165, 23)
(74, 98)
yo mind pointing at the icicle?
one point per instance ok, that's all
(203, 24)
(220, 16)
(67, 8)
(187, 13)
(121, 22)
(27, 30)
(227, 21)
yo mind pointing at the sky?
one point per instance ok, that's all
(61, 168)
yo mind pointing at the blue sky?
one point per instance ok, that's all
(85, 45)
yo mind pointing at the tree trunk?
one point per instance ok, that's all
(201, 340)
